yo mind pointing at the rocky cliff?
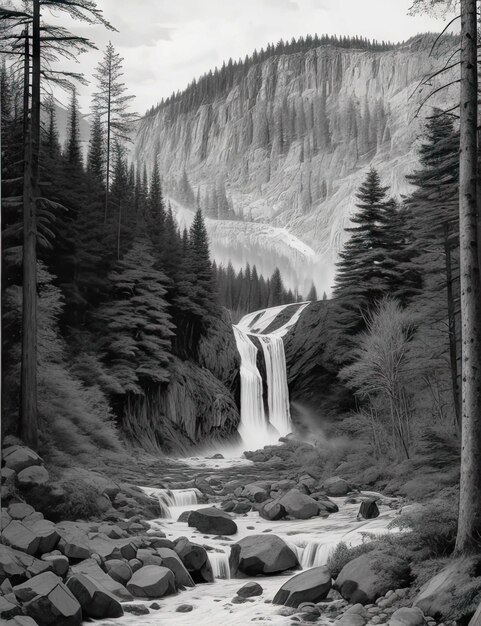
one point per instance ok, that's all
(289, 142)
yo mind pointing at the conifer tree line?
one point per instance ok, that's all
(246, 291)
(107, 252)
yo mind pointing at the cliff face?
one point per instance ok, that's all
(290, 142)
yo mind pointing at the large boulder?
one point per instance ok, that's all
(18, 566)
(92, 569)
(444, 596)
(74, 542)
(406, 616)
(9, 608)
(255, 493)
(152, 581)
(262, 554)
(20, 537)
(212, 521)
(18, 458)
(46, 533)
(368, 509)
(195, 559)
(20, 510)
(250, 589)
(58, 562)
(273, 511)
(171, 560)
(96, 602)
(299, 505)
(119, 570)
(48, 601)
(370, 576)
(336, 486)
(32, 477)
(313, 585)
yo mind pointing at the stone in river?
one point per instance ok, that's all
(250, 590)
(96, 602)
(368, 509)
(212, 521)
(299, 505)
(313, 585)
(261, 554)
(336, 486)
(152, 581)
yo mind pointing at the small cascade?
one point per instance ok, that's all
(170, 499)
(256, 428)
(219, 562)
(315, 554)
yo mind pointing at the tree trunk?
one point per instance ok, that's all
(107, 173)
(453, 351)
(469, 525)
(28, 404)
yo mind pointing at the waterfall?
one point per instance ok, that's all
(315, 554)
(219, 562)
(171, 500)
(256, 428)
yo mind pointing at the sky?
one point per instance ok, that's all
(166, 43)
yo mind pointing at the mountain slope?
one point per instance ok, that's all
(290, 140)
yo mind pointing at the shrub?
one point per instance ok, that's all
(343, 554)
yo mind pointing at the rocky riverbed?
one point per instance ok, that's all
(202, 540)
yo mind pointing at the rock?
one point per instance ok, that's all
(73, 541)
(250, 590)
(5, 519)
(92, 569)
(18, 458)
(148, 557)
(119, 570)
(242, 507)
(299, 505)
(476, 619)
(368, 509)
(212, 521)
(325, 502)
(255, 493)
(112, 531)
(20, 537)
(136, 609)
(336, 486)
(46, 532)
(171, 560)
(152, 581)
(443, 597)
(217, 455)
(48, 601)
(59, 563)
(313, 585)
(195, 559)
(184, 608)
(184, 517)
(20, 510)
(7, 475)
(96, 602)
(283, 485)
(366, 578)
(262, 554)
(135, 564)
(32, 476)
(273, 511)
(407, 617)
(201, 484)
(9, 609)
(155, 605)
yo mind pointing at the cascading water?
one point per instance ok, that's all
(172, 501)
(219, 562)
(256, 428)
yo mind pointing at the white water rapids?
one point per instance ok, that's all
(256, 428)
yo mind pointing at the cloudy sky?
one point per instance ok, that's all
(166, 43)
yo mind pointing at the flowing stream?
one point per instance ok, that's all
(257, 428)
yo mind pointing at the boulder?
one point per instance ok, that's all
(73, 542)
(92, 569)
(195, 559)
(273, 511)
(112, 531)
(299, 505)
(336, 486)
(20, 510)
(212, 521)
(96, 602)
(152, 581)
(367, 577)
(250, 589)
(59, 563)
(18, 458)
(262, 554)
(18, 536)
(46, 532)
(9, 608)
(5, 519)
(324, 502)
(17, 566)
(184, 517)
(171, 560)
(313, 585)
(368, 509)
(255, 493)
(201, 484)
(242, 507)
(7, 475)
(283, 485)
(136, 609)
(355, 615)
(406, 616)
(119, 570)
(48, 601)
(476, 619)
(148, 557)
(444, 596)
(32, 477)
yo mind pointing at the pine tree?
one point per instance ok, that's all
(276, 291)
(200, 265)
(312, 295)
(96, 152)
